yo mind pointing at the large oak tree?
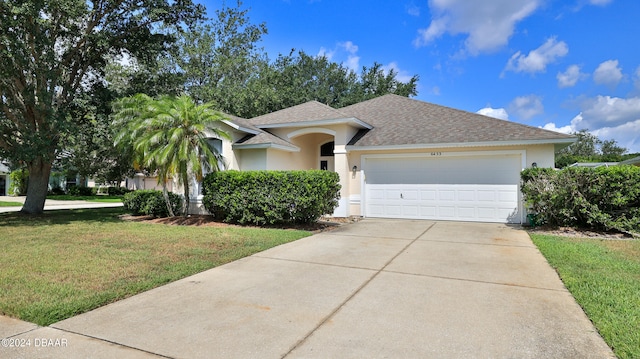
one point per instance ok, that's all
(53, 51)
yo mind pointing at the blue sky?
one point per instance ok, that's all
(562, 65)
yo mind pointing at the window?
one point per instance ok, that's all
(326, 150)
(215, 144)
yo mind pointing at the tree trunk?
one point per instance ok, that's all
(39, 171)
(167, 201)
(187, 199)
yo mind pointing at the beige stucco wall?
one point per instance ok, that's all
(249, 160)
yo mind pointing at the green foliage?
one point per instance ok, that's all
(589, 148)
(602, 198)
(19, 182)
(82, 191)
(53, 53)
(117, 191)
(294, 79)
(151, 202)
(271, 197)
(168, 136)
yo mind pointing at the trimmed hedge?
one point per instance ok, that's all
(271, 197)
(117, 191)
(600, 198)
(151, 202)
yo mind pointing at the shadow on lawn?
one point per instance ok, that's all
(63, 216)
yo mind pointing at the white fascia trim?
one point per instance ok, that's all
(240, 128)
(265, 146)
(338, 121)
(460, 144)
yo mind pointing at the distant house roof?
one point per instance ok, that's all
(4, 168)
(594, 164)
(632, 161)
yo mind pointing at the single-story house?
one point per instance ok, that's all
(632, 161)
(398, 157)
(5, 179)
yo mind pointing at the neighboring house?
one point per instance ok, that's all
(632, 161)
(594, 164)
(5, 179)
(635, 161)
(398, 157)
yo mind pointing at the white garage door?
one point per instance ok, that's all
(476, 188)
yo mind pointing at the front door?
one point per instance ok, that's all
(327, 157)
(3, 185)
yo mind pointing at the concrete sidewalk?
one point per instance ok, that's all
(373, 289)
(51, 204)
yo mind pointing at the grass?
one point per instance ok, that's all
(68, 197)
(604, 278)
(64, 263)
(10, 204)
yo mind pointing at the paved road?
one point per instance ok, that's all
(51, 204)
(373, 289)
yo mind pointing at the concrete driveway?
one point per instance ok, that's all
(373, 289)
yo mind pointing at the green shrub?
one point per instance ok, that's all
(117, 191)
(19, 182)
(271, 197)
(56, 190)
(151, 202)
(601, 198)
(82, 191)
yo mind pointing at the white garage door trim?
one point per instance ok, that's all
(481, 201)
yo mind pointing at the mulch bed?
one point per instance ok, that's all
(581, 233)
(330, 223)
(324, 224)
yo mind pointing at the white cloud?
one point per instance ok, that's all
(626, 135)
(636, 78)
(570, 77)
(324, 53)
(500, 113)
(538, 59)
(607, 111)
(608, 73)
(343, 49)
(353, 60)
(564, 129)
(401, 75)
(526, 107)
(488, 24)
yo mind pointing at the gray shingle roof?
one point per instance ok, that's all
(399, 120)
(261, 138)
(306, 112)
(265, 138)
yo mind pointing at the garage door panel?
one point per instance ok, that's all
(446, 195)
(459, 191)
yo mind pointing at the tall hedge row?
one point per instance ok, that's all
(271, 197)
(600, 198)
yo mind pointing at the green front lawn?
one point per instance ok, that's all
(68, 197)
(604, 278)
(67, 262)
(10, 204)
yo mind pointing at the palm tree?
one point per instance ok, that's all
(169, 136)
